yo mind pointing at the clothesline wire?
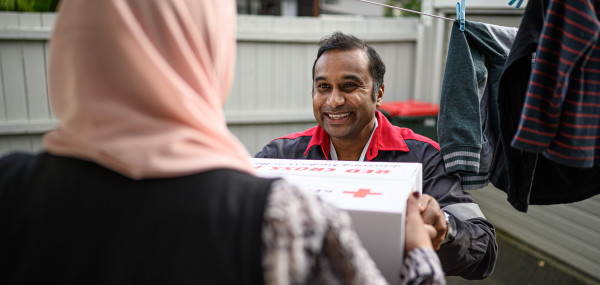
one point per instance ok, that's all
(407, 10)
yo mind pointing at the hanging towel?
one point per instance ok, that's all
(561, 113)
(468, 116)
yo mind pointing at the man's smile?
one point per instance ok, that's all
(338, 115)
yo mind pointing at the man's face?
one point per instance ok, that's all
(342, 94)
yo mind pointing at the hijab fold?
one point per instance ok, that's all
(138, 86)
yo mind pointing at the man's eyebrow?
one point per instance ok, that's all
(347, 77)
(353, 77)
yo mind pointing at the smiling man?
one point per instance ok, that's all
(345, 100)
(347, 89)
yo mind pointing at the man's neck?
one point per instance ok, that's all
(348, 150)
(351, 149)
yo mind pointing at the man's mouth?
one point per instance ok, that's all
(338, 116)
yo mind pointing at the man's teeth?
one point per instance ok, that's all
(338, 116)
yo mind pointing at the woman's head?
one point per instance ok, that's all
(139, 85)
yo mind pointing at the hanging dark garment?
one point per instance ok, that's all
(561, 113)
(526, 177)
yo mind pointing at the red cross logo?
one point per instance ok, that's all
(361, 193)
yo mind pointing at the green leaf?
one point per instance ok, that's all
(8, 5)
(29, 5)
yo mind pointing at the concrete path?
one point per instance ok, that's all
(519, 264)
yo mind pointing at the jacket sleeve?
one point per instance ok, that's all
(271, 150)
(472, 254)
(263, 153)
(286, 148)
(459, 120)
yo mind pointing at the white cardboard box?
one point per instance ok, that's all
(373, 193)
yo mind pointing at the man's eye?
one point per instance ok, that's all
(323, 86)
(349, 85)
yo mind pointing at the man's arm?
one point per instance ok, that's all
(289, 147)
(472, 252)
(272, 150)
(476, 240)
(265, 153)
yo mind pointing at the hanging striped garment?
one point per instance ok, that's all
(561, 112)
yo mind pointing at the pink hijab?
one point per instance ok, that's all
(139, 86)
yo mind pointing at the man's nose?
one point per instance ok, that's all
(336, 98)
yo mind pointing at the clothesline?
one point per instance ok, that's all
(407, 10)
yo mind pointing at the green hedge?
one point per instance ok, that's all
(29, 5)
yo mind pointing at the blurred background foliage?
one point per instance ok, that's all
(414, 5)
(29, 5)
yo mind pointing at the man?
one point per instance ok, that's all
(347, 89)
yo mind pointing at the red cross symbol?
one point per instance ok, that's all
(361, 193)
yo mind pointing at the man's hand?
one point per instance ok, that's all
(418, 234)
(433, 215)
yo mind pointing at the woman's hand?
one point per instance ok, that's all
(417, 233)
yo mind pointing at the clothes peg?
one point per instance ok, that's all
(519, 2)
(460, 13)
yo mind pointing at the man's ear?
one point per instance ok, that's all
(380, 95)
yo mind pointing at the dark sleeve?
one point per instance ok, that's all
(273, 149)
(472, 254)
(266, 152)
(286, 148)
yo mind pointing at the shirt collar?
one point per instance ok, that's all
(363, 154)
(319, 138)
(385, 137)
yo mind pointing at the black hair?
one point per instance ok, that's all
(341, 41)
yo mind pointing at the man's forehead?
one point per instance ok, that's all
(343, 62)
(355, 54)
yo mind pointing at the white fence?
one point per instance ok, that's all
(272, 87)
(271, 94)
(271, 97)
(24, 110)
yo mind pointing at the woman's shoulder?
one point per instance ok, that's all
(15, 168)
(16, 162)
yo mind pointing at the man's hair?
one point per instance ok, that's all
(340, 41)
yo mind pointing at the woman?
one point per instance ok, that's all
(142, 182)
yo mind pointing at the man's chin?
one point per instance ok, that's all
(336, 132)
